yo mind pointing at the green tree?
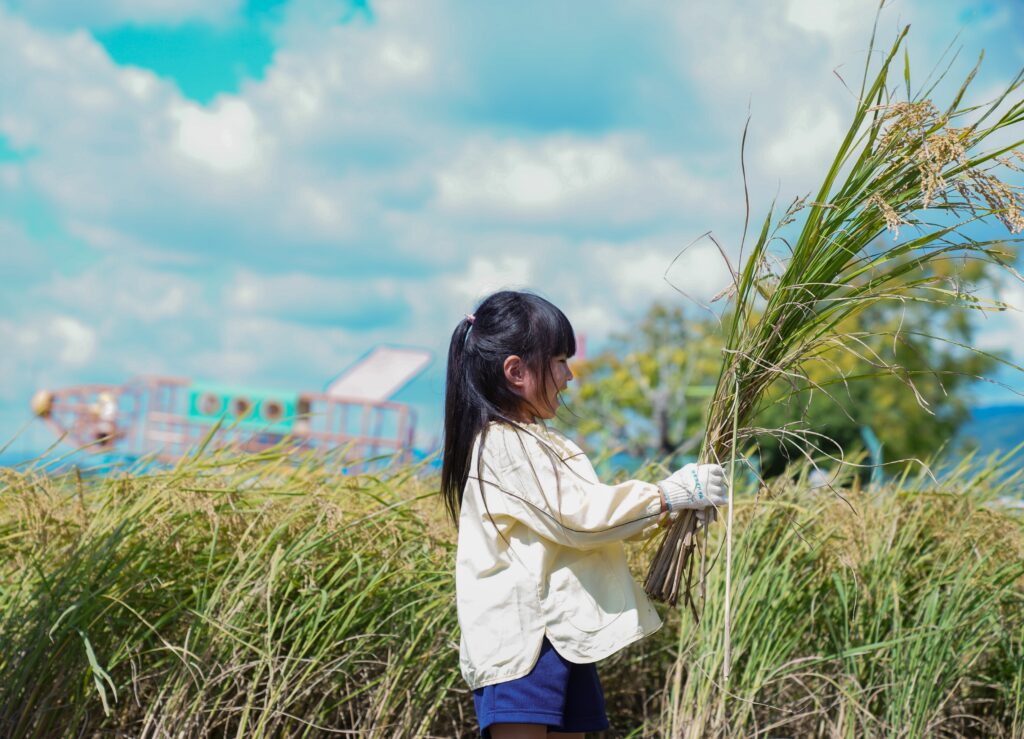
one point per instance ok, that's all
(646, 394)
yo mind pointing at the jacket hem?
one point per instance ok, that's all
(604, 653)
(490, 678)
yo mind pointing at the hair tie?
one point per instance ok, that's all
(471, 318)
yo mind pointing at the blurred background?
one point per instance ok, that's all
(259, 193)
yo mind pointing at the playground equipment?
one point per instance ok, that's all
(169, 416)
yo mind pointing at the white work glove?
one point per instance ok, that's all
(695, 486)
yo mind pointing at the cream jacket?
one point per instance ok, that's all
(540, 552)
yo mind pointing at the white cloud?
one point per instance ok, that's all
(485, 275)
(54, 338)
(835, 19)
(642, 272)
(515, 175)
(259, 349)
(141, 83)
(359, 303)
(1013, 294)
(126, 246)
(122, 151)
(322, 211)
(114, 294)
(807, 141)
(404, 58)
(78, 341)
(600, 285)
(224, 138)
(777, 64)
(614, 179)
(592, 324)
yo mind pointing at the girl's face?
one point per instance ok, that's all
(539, 390)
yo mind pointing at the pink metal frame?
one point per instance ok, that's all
(152, 418)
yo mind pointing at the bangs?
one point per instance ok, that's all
(566, 340)
(554, 334)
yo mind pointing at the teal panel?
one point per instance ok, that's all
(268, 410)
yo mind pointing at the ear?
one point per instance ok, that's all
(515, 371)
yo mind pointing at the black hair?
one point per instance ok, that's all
(476, 391)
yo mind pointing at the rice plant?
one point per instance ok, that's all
(262, 595)
(245, 596)
(889, 622)
(909, 182)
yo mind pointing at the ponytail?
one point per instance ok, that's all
(461, 424)
(476, 391)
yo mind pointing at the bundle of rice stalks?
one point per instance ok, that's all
(908, 183)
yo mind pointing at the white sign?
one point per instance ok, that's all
(380, 374)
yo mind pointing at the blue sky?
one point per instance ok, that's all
(258, 192)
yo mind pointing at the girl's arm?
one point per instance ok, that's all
(567, 504)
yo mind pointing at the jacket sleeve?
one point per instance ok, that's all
(566, 503)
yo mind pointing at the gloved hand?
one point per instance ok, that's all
(696, 486)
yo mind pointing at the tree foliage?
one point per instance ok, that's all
(646, 393)
(892, 375)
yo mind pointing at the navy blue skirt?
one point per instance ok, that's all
(558, 693)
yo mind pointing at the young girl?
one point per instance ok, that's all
(543, 588)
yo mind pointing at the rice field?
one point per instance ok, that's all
(262, 595)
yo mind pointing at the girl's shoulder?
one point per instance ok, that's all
(511, 443)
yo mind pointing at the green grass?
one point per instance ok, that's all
(894, 612)
(255, 596)
(247, 598)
